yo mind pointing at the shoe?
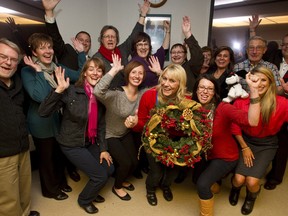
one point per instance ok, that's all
(234, 195)
(34, 213)
(130, 187)
(74, 175)
(269, 186)
(61, 196)
(99, 199)
(249, 202)
(167, 194)
(152, 199)
(90, 209)
(125, 198)
(66, 188)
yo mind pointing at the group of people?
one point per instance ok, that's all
(88, 113)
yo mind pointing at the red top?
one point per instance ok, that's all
(224, 145)
(276, 121)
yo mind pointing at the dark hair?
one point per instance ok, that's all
(141, 36)
(179, 45)
(83, 32)
(129, 67)
(216, 98)
(231, 54)
(37, 39)
(207, 49)
(107, 27)
(97, 61)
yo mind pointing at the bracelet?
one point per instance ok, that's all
(252, 30)
(286, 93)
(243, 149)
(255, 100)
(140, 15)
(167, 32)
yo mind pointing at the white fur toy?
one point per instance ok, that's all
(235, 89)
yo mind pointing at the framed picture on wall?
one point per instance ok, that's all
(154, 27)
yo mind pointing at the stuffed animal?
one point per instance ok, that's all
(235, 88)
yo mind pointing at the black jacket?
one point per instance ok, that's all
(74, 102)
(13, 130)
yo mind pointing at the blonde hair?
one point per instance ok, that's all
(268, 99)
(178, 73)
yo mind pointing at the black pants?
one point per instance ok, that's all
(87, 159)
(279, 162)
(159, 175)
(51, 166)
(124, 156)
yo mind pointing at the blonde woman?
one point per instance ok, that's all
(259, 144)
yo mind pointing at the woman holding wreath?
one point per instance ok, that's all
(170, 90)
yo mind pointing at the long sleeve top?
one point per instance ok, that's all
(74, 102)
(118, 106)
(125, 50)
(38, 89)
(277, 119)
(151, 78)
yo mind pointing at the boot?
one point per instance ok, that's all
(234, 195)
(249, 202)
(206, 207)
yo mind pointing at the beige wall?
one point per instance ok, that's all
(92, 15)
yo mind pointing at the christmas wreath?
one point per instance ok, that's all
(178, 134)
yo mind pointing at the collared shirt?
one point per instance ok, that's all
(283, 68)
(247, 66)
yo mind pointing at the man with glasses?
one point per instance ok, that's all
(15, 168)
(255, 49)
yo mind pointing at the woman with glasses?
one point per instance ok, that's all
(141, 51)
(109, 39)
(223, 157)
(179, 54)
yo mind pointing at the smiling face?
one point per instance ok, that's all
(85, 40)
(178, 55)
(264, 83)
(256, 50)
(93, 73)
(143, 49)
(8, 62)
(136, 76)
(222, 60)
(205, 91)
(44, 52)
(109, 39)
(169, 85)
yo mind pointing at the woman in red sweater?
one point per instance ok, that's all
(259, 144)
(223, 157)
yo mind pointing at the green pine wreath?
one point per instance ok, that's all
(178, 134)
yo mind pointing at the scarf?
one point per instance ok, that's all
(91, 132)
(108, 53)
(48, 71)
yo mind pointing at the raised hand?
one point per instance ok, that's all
(77, 45)
(254, 22)
(63, 83)
(11, 23)
(186, 26)
(284, 85)
(117, 63)
(50, 4)
(143, 9)
(28, 61)
(154, 65)
(166, 25)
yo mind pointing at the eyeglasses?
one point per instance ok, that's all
(284, 45)
(109, 36)
(6, 58)
(177, 53)
(142, 45)
(258, 48)
(84, 41)
(203, 88)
